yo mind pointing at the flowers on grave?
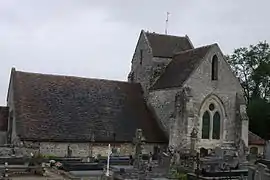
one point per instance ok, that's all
(52, 162)
(58, 164)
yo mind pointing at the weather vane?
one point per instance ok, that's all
(167, 21)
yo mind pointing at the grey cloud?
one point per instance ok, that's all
(97, 38)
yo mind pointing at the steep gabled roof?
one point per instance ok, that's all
(166, 45)
(254, 139)
(180, 68)
(65, 108)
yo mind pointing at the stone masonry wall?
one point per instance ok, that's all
(141, 72)
(3, 137)
(10, 104)
(163, 102)
(150, 68)
(174, 112)
(202, 87)
(84, 149)
(225, 89)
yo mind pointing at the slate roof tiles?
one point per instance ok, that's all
(180, 68)
(65, 108)
(166, 45)
(254, 139)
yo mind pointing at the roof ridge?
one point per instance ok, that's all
(164, 45)
(257, 136)
(73, 76)
(198, 48)
(169, 35)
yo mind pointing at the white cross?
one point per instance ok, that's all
(108, 160)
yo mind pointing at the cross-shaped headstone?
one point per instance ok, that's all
(92, 140)
(138, 149)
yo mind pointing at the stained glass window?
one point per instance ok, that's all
(206, 125)
(216, 126)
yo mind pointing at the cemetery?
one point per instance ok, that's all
(184, 164)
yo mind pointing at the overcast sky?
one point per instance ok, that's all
(96, 38)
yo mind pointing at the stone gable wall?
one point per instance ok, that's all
(200, 87)
(151, 67)
(141, 72)
(225, 88)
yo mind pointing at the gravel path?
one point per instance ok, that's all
(49, 176)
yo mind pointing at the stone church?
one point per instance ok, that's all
(173, 89)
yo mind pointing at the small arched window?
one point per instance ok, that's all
(215, 67)
(216, 126)
(206, 125)
(254, 150)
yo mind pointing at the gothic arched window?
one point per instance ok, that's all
(215, 67)
(206, 125)
(211, 121)
(216, 126)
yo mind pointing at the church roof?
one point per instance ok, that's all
(254, 139)
(65, 108)
(180, 68)
(166, 45)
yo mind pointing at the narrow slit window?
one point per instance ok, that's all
(215, 67)
(141, 56)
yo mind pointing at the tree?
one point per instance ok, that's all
(252, 67)
(259, 117)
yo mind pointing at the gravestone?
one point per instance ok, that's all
(267, 150)
(218, 152)
(193, 140)
(203, 152)
(138, 148)
(92, 140)
(69, 152)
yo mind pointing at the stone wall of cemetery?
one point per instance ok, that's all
(19, 151)
(85, 149)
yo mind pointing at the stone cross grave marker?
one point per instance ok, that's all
(138, 148)
(92, 140)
